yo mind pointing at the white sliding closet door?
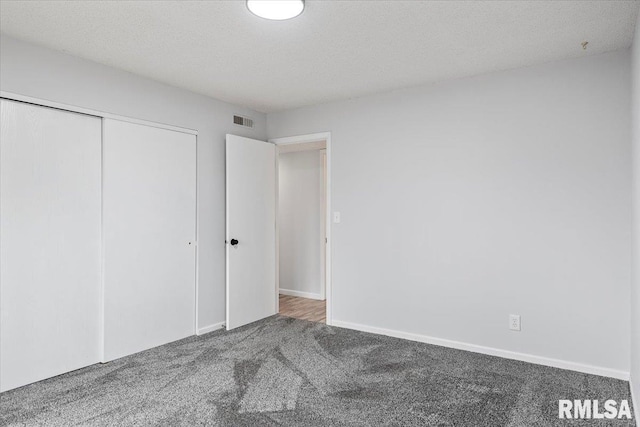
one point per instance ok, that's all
(149, 219)
(49, 244)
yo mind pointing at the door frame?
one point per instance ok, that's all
(301, 139)
(323, 230)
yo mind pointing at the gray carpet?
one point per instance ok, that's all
(282, 371)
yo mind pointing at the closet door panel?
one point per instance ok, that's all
(149, 235)
(50, 202)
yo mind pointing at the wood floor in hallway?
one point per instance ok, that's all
(303, 308)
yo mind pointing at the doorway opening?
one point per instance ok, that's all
(302, 231)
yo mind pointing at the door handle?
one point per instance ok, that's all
(234, 242)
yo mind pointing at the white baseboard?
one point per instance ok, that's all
(538, 360)
(310, 295)
(210, 328)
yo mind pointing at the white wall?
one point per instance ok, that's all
(471, 199)
(635, 287)
(461, 202)
(43, 73)
(299, 209)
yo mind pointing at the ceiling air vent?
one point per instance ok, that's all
(243, 121)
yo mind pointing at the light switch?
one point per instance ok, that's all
(336, 217)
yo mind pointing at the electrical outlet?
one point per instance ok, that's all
(514, 322)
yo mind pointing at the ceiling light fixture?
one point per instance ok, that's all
(276, 10)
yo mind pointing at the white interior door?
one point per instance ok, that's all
(149, 190)
(50, 244)
(251, 236)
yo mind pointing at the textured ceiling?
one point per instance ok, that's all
(334, 50)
